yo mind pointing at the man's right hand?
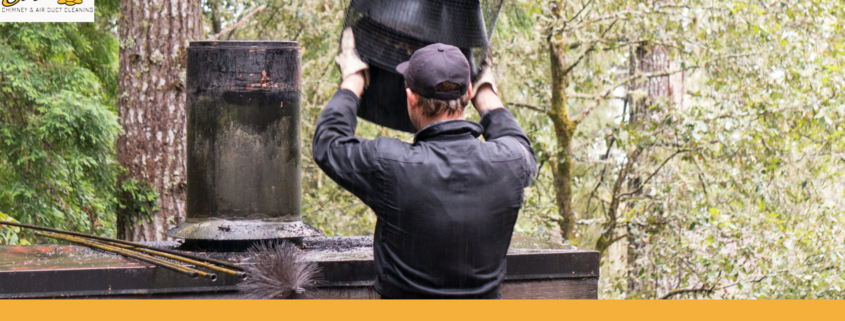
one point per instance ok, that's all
(485, 97)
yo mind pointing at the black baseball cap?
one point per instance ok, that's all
(434, 64)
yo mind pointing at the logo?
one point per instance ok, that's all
(7, 3)
(68, 2)
(47, 10)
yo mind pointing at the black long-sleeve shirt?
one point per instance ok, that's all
(446, 204)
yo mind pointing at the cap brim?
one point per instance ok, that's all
(401, 68)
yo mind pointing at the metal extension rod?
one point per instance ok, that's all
(131, 254)
(239, 274)
(100, 238)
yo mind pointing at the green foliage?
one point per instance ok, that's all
(57, 125)
(745, 194)
(9, 234)
(137, 199)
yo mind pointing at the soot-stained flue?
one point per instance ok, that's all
(243, 142)
(280, 271)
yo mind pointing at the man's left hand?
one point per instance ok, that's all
(348, 61)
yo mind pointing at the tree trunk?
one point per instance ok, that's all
(215, 16)
(564, 131)
(649, 59)
(153, 40)
(646, 59)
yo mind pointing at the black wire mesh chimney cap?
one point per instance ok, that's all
(387, 32)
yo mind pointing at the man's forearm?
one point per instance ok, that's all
(337, 121)
(486, 99)
(354, 83)
(346, 159)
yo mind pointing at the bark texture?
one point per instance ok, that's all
(154, 36)
(649, 59)
(564, 131)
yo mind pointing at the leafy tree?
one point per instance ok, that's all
(757, 133)
(58, 125)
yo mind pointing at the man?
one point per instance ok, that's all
(446, 204)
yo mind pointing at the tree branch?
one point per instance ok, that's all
(601, 175)
(620, 41)
(682, 291)
(238, 24)
(580, 11)
(617, 185)
(592, 46)
(752, 281)
(616, 239)
(590, 97)
(264, 27)
(704, 289)
(638, 189)
(603, 95)
(623, 14)
(532, 107)
(606, 239)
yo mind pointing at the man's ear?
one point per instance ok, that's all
(469, 91)
(413, 98)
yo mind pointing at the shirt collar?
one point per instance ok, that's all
(452, 129)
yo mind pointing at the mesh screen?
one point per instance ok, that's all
(387, 32)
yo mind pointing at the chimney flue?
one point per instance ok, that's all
(243, 142)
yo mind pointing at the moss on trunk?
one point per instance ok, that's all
(564, 131)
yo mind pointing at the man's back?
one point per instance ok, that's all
(446, 205)
(446, 223)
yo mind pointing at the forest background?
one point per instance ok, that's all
(698, 145)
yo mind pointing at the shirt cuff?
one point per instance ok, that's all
(347, 92)
(491, 112)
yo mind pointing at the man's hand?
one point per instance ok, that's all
(350, 64)
(485, 96)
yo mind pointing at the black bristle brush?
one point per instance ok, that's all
(280, 271)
